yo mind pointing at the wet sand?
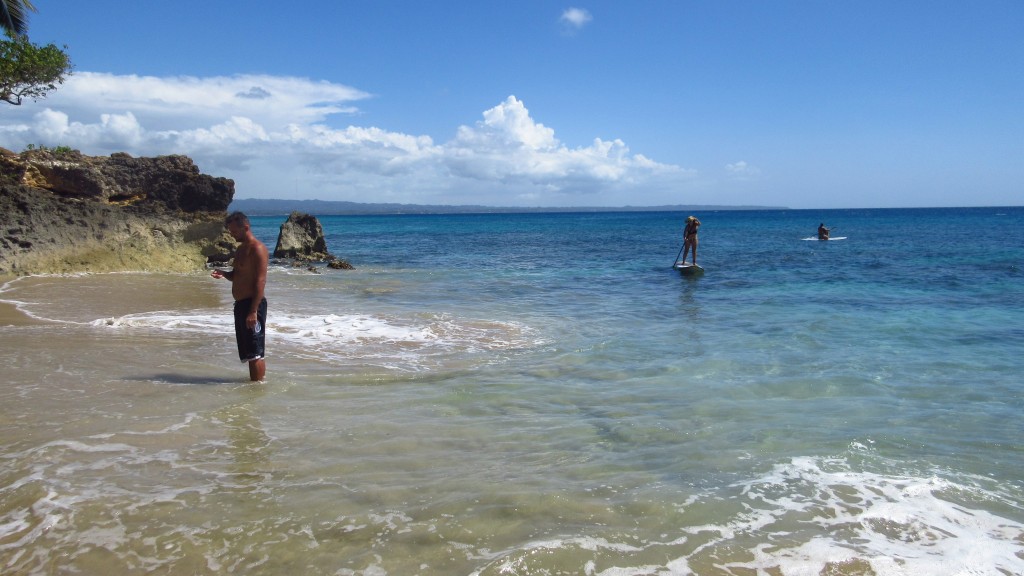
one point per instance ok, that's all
(11, 316)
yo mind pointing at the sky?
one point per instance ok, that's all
(535, 103)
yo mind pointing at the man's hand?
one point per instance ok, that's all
(218, 273)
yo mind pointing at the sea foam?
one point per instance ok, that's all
(811, 516)
(406, 343)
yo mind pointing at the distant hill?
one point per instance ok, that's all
(258, 207)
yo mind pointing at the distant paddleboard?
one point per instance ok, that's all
(688, 268)
(831, 238)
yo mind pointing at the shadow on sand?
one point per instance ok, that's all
(192, 379)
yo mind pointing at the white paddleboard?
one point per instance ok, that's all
(830, 238)
(688, 268)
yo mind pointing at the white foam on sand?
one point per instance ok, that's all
(195, 321)
(401, 343)
(815, 516)
(19, 305)
(412, 343)
(902, 525)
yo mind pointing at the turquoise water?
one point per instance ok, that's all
(542, 394)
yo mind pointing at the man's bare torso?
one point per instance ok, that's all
(249, 258)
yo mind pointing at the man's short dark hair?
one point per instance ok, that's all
(237, 217)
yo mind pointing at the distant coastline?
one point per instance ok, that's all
(273, 207)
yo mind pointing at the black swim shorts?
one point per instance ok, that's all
(250, 342)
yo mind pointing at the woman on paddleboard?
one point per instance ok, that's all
(690, 238)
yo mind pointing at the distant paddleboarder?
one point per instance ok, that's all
(690, 238)
(823, 231)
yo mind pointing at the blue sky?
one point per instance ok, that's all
(805, 104)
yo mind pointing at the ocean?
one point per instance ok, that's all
(535, 394)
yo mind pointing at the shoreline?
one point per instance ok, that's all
(406, 401)
(11, 316)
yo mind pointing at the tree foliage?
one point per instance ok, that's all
(30, 71)
(14, 16)
(27, 70)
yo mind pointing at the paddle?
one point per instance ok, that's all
(678, 255)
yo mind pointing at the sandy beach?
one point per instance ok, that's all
(11, 316)
(9, 313)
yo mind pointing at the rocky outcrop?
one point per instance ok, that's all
(339, 264)
(61, 211)
(302, 237)
(302, 240)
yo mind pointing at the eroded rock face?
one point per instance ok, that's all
(66, 212)
(171, 182)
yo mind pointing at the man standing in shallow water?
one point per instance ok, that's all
(248, 279)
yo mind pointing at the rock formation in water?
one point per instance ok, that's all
(61, 211)
(301, 236)
(302, 239)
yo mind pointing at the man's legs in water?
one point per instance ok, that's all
(257, 370)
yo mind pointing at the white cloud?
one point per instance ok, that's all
(575, 18)
(49, 125)
(271, 135)
(159, 103)
(508, 126)
(509, 146)
(742, 171)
